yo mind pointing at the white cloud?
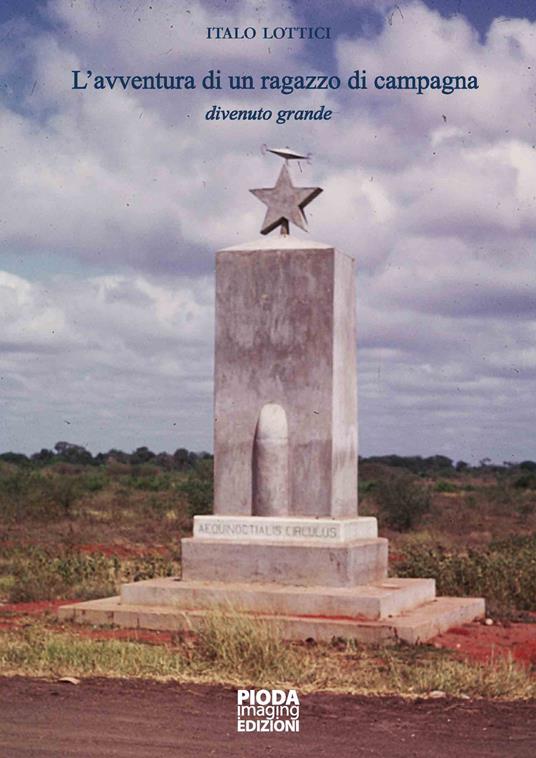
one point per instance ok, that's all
(112, 360)
(433, 194)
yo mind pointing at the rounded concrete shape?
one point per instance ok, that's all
(270, 463)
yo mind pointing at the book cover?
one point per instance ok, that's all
(131, 133)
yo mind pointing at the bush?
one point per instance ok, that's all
(42, 575)
(365, 487)
(198, 488)
(525, 481)
(48, 575)
(149, 482)
(504, 573)
(26, 494)
(443, 486)
(65, 491)
(94, 482)
(402, 500)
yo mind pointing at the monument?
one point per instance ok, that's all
(285, 540)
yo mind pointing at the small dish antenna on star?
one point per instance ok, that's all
(288, 155)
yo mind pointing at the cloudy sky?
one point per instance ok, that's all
(113, 203)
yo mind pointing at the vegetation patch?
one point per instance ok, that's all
(504, 572)
(245, 652)
(403, 500)
(75, 525)
(40, 574)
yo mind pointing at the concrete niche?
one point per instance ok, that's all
(270, 463)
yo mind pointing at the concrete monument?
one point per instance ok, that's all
(285, 539)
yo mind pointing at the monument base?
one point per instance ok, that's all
(380, 600)
(309, 564)
(304, 577)
(387, 611)
(303, 551)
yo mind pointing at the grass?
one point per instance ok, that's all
(240, 646)
(245, 652)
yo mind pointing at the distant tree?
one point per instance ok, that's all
(438, 462)
(184, 459)
(414, 463)
(117, 455)
(19, 459)
(528, 466)
(43, 456)
(68, 452)
(164, 460)
(142, 455)
(181, 458)
(462, 466)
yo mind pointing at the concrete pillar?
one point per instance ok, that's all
(285, 335)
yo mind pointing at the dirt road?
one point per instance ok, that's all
(133, 719)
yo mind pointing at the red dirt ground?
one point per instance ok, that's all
(483, 643)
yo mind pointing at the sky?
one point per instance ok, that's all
(114, 203)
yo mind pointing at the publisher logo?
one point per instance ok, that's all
(267, 711)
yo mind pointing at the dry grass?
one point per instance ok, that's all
(239, 651)
(238, 646)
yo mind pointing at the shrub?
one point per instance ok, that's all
(94, 482)
(443, 486)
(402, 500)
(42, 575)
(65, 491)
(48, 575)
(198, 488)
(153, 482)
(365, 487)
(26, 494)
(504, 572)
(525, 481)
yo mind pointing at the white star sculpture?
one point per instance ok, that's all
(285, 203)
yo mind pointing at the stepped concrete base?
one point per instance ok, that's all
(373, 601)
(307, 563)
(413, 626)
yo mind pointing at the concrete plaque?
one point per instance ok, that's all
(274, 529)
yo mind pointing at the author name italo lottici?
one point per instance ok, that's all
(269, 32)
